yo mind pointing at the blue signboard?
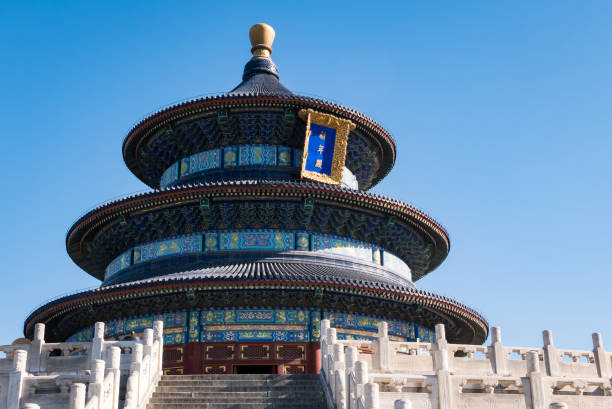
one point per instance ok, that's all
(324, 146)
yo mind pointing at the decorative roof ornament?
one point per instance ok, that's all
(260, 77)
(262, 37)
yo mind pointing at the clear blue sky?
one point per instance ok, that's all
(501, 112)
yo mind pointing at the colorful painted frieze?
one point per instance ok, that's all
(254, 316)
(302, 241)
(315, 325)
(368, 323)
(285, 156)
(230, 156)
(257, 155)
(255, 335)
(425, 334)
(175, 338)
(175, 319)
(256, 240)
(211, 242)
(170, 175)
(120, 263)
(328, 244)
(200, 162)
(190, 243)
(138, 324)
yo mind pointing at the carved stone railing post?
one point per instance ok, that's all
(77, 396)
(535, 380)
(96, 382)
(499, 357)
(158, 335)
(349, 368)
(97, 344)
(340, 389)
(371, 398)
(133, 388)
(35, 349)
(331, 340)
(148, 353)
(382, 352)
(113, 365)
(15, 386)
(440, 355)
(601, 356)
(338, 371)
(325, 325)
(551, 356)
(361, 378)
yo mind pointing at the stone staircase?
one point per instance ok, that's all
(238, 391)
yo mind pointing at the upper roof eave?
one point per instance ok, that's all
(233, 99)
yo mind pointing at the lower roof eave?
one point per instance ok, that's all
(56, 309)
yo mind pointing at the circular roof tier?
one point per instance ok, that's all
(261, 284)
(249, 118)
(105, 232)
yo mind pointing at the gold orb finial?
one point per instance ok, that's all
(262, 37)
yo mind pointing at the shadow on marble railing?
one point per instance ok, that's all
(385, 374)
(81, 375)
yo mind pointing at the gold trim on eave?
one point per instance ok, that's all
(342, 127)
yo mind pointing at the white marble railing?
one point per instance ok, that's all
(81, 375)
(384, 374)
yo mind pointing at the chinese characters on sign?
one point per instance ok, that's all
(324, 146)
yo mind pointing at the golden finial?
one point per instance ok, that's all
(262, 37)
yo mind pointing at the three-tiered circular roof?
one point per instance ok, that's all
(258, 112)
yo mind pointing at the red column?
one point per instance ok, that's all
(314, 354)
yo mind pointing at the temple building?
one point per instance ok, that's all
(259, 225)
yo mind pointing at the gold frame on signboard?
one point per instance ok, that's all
(342, 127)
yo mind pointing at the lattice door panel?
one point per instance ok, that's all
(172, 355)
(255, 352)
(219, 352)
(290, 352)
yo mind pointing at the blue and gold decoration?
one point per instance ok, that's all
(231, 156)
(200, 162)
(330, 244)
(259, 240)
(118, 264)
(256, 324)
(257, 155)
(170, 176)
(189, 243)
(324, 146)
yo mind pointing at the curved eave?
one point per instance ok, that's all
(124, 292)
(171, 196)
(140, 131)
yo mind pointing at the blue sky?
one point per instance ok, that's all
(501, 112)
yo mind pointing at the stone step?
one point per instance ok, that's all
(281, 405)
(242, 376)
(245, 381)
(249, 394)
(234, 388)
(235, 400)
